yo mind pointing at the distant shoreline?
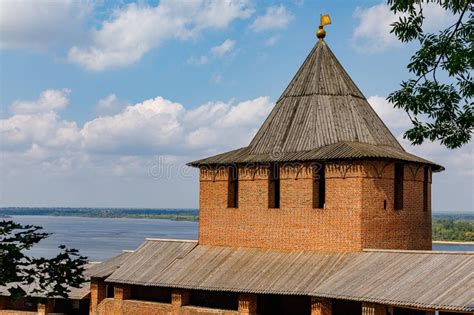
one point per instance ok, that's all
(449, 229)
(453, 242)
(158, 214)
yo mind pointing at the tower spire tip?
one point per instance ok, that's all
(325, 20)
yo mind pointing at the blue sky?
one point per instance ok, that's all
(102, 103)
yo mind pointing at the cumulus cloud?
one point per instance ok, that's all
(372, 33)
(37, 25)
(213, 124)
(149, 126)
(159, 126)
(42, 129)
(275, 17)
(134, 30)
(49, 100)
(134, 158)
(111, 104)
(224, 48)
(154, 127)
(36, 124)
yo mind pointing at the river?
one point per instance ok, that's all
(101, 238)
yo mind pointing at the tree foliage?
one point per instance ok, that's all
(453, 230)
(439, 99)
(36, 277)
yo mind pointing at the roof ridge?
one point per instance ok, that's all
(322, 94)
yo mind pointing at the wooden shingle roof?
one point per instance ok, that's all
(105, 269)
(321, 107)
(420, 279)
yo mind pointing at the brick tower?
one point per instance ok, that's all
(322, 173)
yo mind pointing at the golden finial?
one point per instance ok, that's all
(325, 20)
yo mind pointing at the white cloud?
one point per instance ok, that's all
(396, 118)
(111, 104)
(224, 48)
(271, 40)
(149, 126)
(275, 17)
(161, 126)
(134, 158)
(246, 114)
(44, 129)
(137, 28)
(372, 34)
(38, 25)
(49, 100)
(155, 126)
(213, 124)
(35, 124)
(218, 51)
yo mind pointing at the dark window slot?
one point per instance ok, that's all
(274, 186)
(319, 186)
(426, 185)
(233, 187)
(216, 300)
(398, 186)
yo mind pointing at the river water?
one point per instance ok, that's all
(101, 238)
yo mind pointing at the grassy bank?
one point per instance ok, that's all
(458, 228)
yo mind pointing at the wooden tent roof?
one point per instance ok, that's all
(321, 107)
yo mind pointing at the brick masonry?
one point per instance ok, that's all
(359, 213)
(98, 293)
(354, 217)
(121, 304)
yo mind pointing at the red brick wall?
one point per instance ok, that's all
(98, 293)
(353, 218)
(133, 307)
(105, 307)
(409, 228)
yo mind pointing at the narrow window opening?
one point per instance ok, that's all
(274, 186)
(426, 185)
(319, 186)
(151, 294)
(109, 288)
(233, 187)
(398, 186)
(216, 300)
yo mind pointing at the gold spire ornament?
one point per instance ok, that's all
(325, 20)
